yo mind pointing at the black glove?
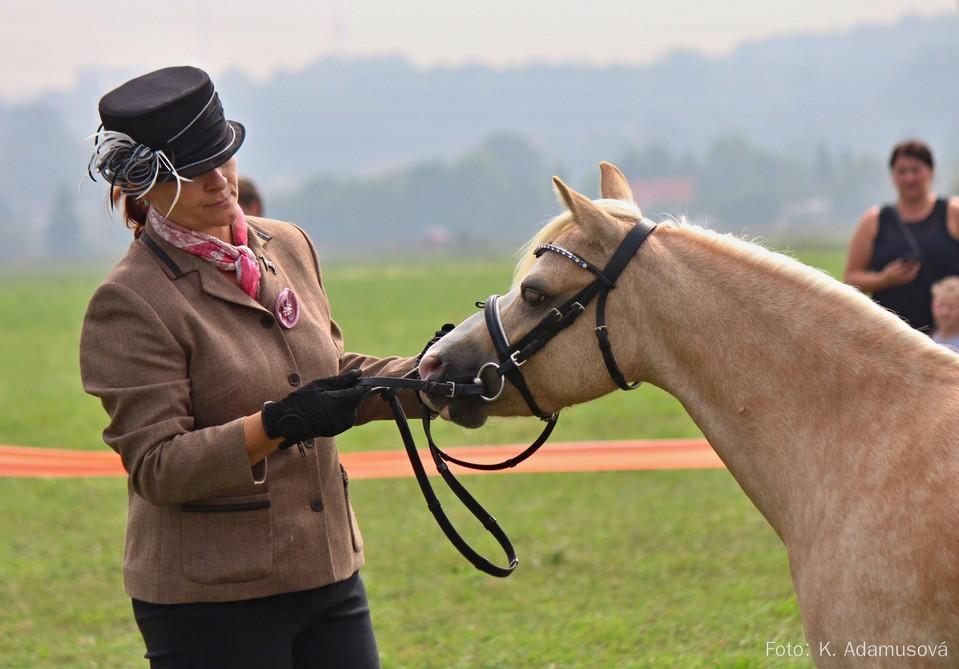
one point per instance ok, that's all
(439, 334)
(321, 408)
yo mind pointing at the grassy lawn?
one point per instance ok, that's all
(627, 569)
(630, 569)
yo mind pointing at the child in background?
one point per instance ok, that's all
(945, 312)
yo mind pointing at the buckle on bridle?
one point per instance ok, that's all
(518, 363)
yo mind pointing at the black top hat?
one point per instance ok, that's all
(160, 126)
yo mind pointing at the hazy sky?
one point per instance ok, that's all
(45, 43)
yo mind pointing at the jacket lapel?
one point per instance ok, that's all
(258, 240)
(213, 281)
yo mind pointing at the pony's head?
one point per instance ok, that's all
(569, 369)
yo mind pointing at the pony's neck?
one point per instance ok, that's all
(790, 376)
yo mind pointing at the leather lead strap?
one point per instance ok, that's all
(448, 389)
(433, 504)
(497, 466)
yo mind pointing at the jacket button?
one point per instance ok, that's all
(294, 379)
(267, 321)
(309, 443)
(317, 505)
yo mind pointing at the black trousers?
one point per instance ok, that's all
(326, 628)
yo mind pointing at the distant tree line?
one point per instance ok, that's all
(501, 192)
(808, 109)
(498, 194)
(739, 184)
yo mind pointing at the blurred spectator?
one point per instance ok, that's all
(945, 312)
(249, 197)
(899, 250)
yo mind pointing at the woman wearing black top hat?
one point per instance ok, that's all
(241, 551)
(899, 250)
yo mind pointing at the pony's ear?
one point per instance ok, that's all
(613, 183)
(595, 222)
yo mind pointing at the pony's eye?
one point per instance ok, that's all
(533, 298)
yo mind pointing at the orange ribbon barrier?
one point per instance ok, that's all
(553, 457)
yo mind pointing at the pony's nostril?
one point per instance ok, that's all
(430, 365)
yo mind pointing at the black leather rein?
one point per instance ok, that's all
(511, 358)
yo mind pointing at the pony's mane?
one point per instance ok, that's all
(809, 279)
(890, 330)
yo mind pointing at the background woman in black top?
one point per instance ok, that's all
(899, 250)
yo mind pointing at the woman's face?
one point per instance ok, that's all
(207, 203)
(913, 178)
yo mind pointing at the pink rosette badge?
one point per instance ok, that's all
(287, 308)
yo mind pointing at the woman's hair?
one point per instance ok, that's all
(134, 211)
(947, 288)
(912, 148)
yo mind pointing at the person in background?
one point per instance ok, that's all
(945, 312)
(242, 549)
(248, 196)
(899, 250)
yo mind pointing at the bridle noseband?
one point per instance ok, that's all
(511, 357)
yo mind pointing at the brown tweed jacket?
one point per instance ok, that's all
(178, 355)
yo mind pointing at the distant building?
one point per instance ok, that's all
(812, 216)
(437, 236)
(668, 194)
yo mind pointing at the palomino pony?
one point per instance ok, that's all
(838, 421)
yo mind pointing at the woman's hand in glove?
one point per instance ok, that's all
(322, 408)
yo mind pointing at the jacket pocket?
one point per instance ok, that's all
(351, 517)
(227, 540)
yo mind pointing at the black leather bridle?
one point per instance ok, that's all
(511, 357)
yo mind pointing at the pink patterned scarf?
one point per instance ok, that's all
(239, 258)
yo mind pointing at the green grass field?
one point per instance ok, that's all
(628, 569)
